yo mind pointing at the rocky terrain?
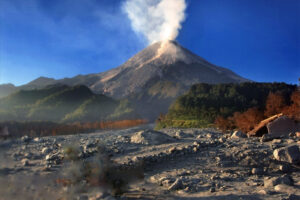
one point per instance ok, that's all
(170, 164)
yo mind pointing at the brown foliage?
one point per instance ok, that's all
(293, 111)
(38, 129)
(247, 120)
(274, 104)
(224, 124)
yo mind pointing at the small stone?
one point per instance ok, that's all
(276, 141)
(46, 150)
(285, 189)
(263, 192)
(172, 150)
(195, 149)
(222, 140)
(284, 168)
(177, 185)
(25, 162)
(180, 134)
(25, 138)
(37, 139)
(257, 171)
(238, 134)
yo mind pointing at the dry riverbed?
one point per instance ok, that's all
(175, 164)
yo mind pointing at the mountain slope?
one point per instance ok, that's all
(62, 103)
(161, 61)
(6, 89)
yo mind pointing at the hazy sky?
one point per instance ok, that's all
(258, 39)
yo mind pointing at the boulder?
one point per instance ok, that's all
(271, 182)
(290, 154)
(282, 126)
(150, 137)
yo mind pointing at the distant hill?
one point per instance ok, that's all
(6, 89)
(204, 102)
(61, 103)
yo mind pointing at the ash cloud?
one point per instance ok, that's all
(157, 20)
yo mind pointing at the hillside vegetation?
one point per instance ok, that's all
(60, 103)
(203, 103)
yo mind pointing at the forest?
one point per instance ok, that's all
(230, 106)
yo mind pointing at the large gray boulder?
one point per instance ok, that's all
(290, 154)
(150, 137)
(282, 126)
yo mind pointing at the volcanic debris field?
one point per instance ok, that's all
(140, 163)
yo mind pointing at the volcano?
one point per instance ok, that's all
(166, 61)
(151, 79)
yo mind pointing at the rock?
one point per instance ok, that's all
(53, 158)
(284, 168)
(46, 150)
(222, 140)
(180, 134)
(237, 135)
(150, 137)
(212, 189)
(37, 139)
(25, 162)
(277, 141)
(28, 155)
(172, 150)
(267, 137)
(177, 185)
(282, 126)
(290, 154)
(257, 171)
(271, 182)
(285, 189)
(25, 138)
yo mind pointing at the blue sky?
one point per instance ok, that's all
(258, 39)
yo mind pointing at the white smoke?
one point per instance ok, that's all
(157, 20)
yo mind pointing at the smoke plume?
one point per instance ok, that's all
(157, 20)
